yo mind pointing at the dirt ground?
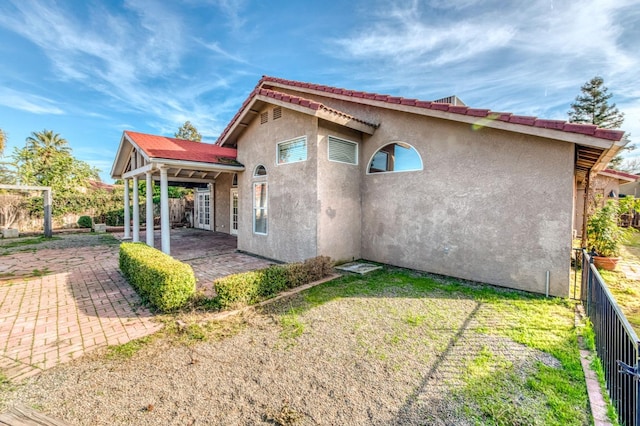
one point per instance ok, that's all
(381, 359)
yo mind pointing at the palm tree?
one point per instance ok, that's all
(46, 145)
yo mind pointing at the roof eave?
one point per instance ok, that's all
(476, 122)
(121, 161)
(186, 164)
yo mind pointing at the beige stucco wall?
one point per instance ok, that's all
(489, 205)
(292, 189)
(222, 202)
(339, 202)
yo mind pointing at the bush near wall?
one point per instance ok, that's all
(166, 283)
(248, 288)
(85, 222)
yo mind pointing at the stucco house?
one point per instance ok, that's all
(305, 169)
(606, 185)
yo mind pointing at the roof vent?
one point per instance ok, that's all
(453, 100)
(277, 113)
(264, 117)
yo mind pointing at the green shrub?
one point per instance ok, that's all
(114, 217)
(237, 290)
(273, 280)
(248, 288)
(85, 222)
(166, 283)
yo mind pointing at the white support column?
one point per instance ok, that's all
(149, 210)
(165, 225)
(136, 210)
(127, 216)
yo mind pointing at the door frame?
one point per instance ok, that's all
(232, 230)
(202, 209)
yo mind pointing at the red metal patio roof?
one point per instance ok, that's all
(163, 147)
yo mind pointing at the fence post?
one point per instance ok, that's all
(589, 281)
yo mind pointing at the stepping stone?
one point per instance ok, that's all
(24, 416)
(358, 267)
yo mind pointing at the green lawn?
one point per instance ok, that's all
(519, 362)
(626, 289)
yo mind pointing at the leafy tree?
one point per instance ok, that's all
(7, 176)
(592, 107)
(188, 132)
(3, 141)
(47, 160)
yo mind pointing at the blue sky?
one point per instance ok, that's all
(91, 69)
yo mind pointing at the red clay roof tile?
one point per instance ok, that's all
(586, 129)
(613, 135)
(621, 174)
(550, 124)
(522, 119)
(559, 125)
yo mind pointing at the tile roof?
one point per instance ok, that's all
(180, 149)
(623, 175)
(101, 185)
(586, 129)
(292, 99)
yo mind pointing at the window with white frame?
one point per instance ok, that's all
(260, 208)
(343, 151)
(395, 157)
(259, 171)
(292, 151)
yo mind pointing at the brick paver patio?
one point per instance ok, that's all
(63, 298)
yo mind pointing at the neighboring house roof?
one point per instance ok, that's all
(596, 146)
(101, 185)
(623, 176)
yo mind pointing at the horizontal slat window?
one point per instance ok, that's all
(292, 151)
(343, 151)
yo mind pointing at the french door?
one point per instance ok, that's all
(234, 212)
(203, 218)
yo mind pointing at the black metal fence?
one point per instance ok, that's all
(617, 344)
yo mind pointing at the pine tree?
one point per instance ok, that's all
(188, 132)
(592, 107)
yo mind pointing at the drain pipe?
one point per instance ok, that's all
(547, 286)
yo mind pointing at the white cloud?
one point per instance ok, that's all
(28, 102)
(403, 34)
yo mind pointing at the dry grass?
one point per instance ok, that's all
(394, 347)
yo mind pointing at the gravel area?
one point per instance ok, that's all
(383, 358)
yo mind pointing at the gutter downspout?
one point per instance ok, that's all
(587, 188)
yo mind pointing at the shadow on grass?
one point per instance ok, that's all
(513, 356)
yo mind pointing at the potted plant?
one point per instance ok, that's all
(604, 235)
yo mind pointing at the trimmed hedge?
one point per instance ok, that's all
(248, 288)
(85, 222)
(166, 283)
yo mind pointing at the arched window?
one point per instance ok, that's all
(395, 157)
(260, 201)
(259, 171)
(234, 180)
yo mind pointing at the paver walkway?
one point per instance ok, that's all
(65, 297)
